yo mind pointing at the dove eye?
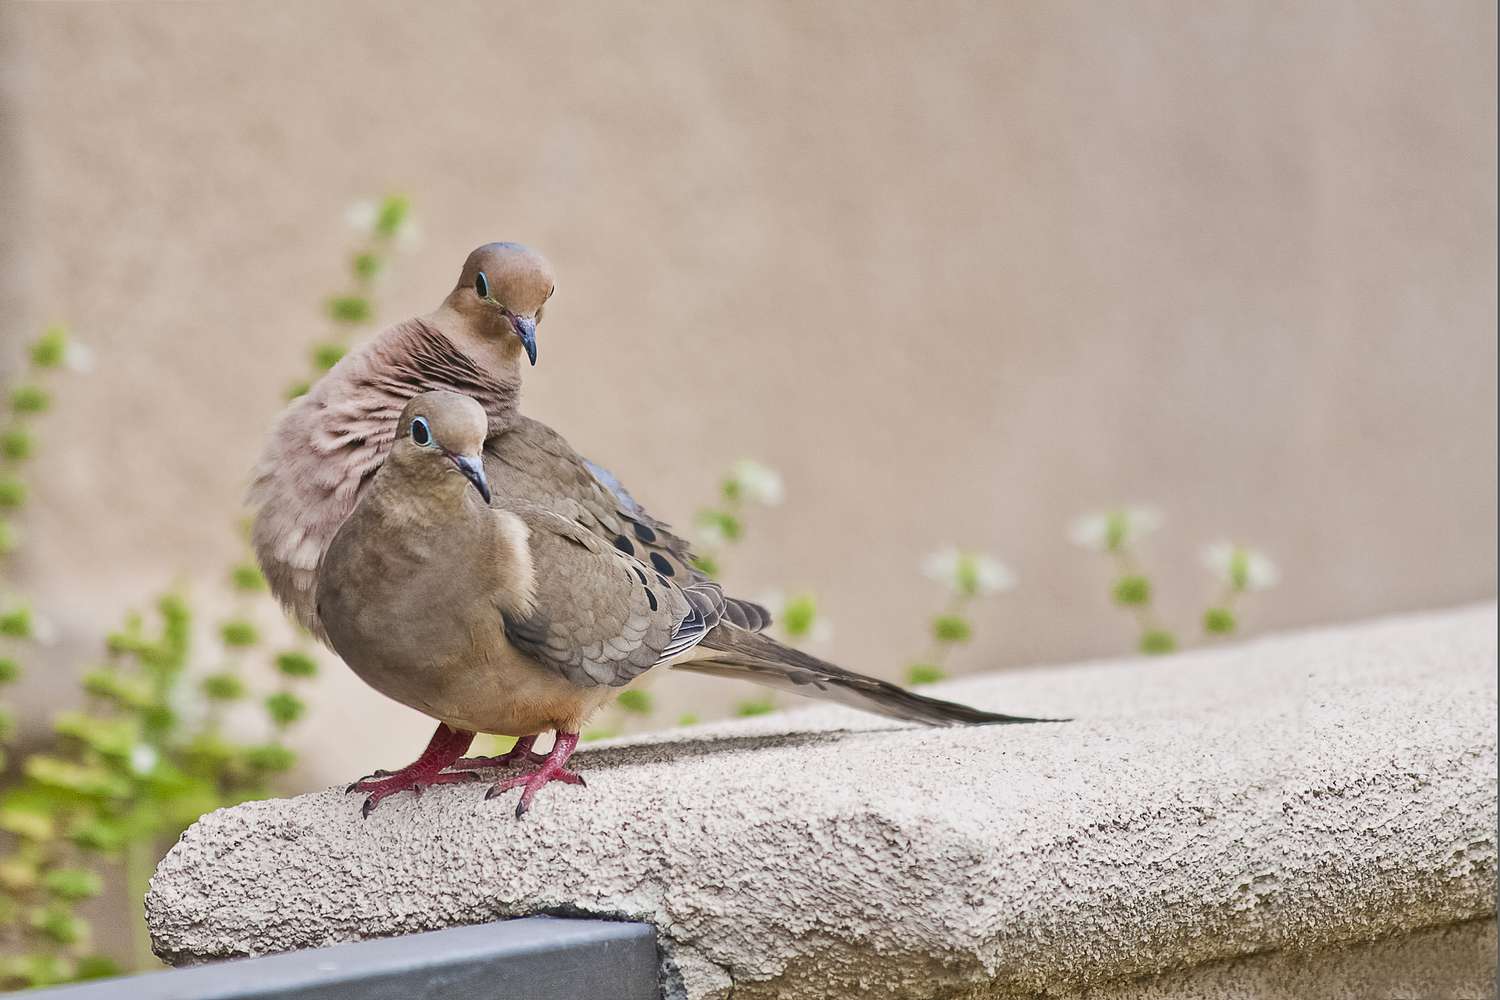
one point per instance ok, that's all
(420, 432)
(481, 285)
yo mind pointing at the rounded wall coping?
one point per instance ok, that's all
(1297, 792)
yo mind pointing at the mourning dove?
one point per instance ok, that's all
(328, 445)
(514, 618)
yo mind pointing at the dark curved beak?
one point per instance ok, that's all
(526, 330)
(473, 470)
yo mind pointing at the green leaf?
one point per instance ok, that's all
(9, 669)
(1116, 530)
(29, 399)
(73, 883)
(394, 209)
(17, 874)
(1239, 569)
(27, 824)
(755, 706)
(966, 575)
(246, 577)
(328, 354)
(706, 564)
(111, 737)
(687, 719)
(366, 265)
(1132, 591)
(95, 967)
(12, 492)
(223, 686)
(295, 663)
(16, 623)
(598, 733)
(15, 444)
(636, 701)
(238, 634)
(298, 389)
(270, 757)
(132, 692)
(924, 673)
(951, 628)
(100, 834)
(86, 780)
(39, 969)
(57, 922)
(350, 308)
(1219, 621)
(1158, 642)
(799, 615)
(51, 348)
(285, 708)
(10, 537)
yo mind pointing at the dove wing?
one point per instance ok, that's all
(532, 462)
(600, 616)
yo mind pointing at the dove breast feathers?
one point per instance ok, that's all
(494, 620)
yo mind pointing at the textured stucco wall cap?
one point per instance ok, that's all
(1290, 793)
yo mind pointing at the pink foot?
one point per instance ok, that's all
(446, 746)
(552, 769)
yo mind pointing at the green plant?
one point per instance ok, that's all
(968, 576)
(150, 750)
(1115, 533)
(1239, 569)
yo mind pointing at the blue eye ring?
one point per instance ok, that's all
(481, 285)
(421, 433)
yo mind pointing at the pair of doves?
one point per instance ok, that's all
(465, 561)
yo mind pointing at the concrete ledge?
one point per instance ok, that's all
(1303, 792)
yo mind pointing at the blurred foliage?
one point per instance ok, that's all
(1115, 533)
(151, 748)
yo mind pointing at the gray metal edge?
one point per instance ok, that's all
(535, 958)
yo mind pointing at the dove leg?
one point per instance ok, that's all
(520, 753)
(446, 746)
(553, 768)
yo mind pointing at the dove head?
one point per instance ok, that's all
(501, 292)
(440, 437)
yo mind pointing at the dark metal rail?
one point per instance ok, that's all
(534, 958)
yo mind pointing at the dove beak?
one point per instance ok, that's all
(473, 470)
(526, 330)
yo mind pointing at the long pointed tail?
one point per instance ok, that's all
(733, 652)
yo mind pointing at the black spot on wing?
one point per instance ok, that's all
(661, 564)
(651, 599)
(623, 544)
(640, 573)
(644, 533)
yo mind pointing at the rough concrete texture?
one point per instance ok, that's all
(1300, 792)
(1456, 962)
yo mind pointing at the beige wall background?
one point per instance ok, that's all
(959, 271)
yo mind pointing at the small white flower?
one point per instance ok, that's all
(1112, 529)
(361, 216)
(78, 357)
(758, 482)
(43, 630)
(143, 758)
(708, 532)
(968, 572)
(409, 235)
(1240, 567)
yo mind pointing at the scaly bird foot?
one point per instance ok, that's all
(446, 746)
(415, 782)
(553, 768)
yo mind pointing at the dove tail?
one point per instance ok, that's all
(733, 652)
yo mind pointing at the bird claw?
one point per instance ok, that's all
(416, 783)
(532, 783)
